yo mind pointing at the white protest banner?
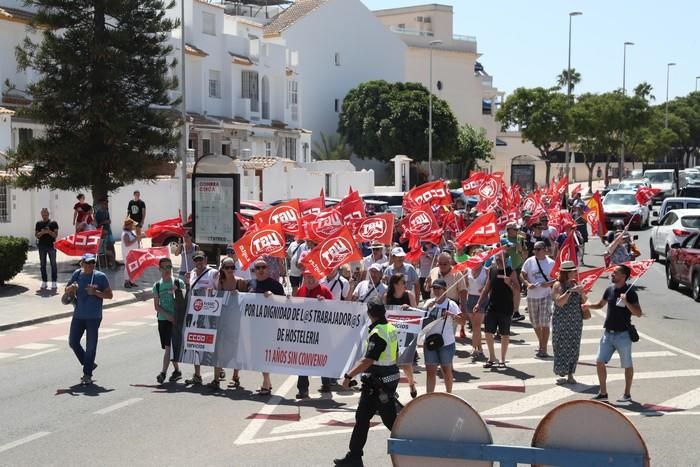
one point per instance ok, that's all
(205, 306)
(200, 333)
(408, 325)
(299, 336)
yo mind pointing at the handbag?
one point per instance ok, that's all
(634, 335)
(435, 341)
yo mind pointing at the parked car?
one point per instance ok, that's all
(609, 188)
(665, 180)
(633, 184)
(622, 204)
(671, 204)
(394, 198)
(690, 191)
(674, 227)
(636, 173)
(254, 205)
(683, 265)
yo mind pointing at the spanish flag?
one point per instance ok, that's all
(595, 215)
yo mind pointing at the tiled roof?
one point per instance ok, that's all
(241, 59)
(13, 14)
(192, 50)
(199, 119)
(291, 15)
(259, 162)
(4, 111)
(229, 120)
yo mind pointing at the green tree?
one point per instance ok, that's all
(563, 79)
(473, 147)
(103, 68)
(541, 115)
(331, 148)
(687, 108)
(657, 141)
(382, 119)
(586, 132)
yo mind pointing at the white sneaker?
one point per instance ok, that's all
(43, 285)
(54, 286)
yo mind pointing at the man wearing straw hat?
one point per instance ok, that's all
(86, 289)
(623, 302)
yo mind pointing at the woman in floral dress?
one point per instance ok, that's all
(567, 321)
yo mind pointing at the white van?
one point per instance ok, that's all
(664, 180)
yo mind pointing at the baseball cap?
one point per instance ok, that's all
(198, 254)
(229, 249)
(398, 251)
(375, 245)
(511, 225)
(439, 283)
(375, 266)
(88, 258)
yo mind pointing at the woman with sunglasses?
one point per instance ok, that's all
(228, 282)
(397, 294)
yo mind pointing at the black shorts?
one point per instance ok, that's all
(165, 331)
(497, 323)
(295, 281)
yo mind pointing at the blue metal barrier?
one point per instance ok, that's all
(510, 456)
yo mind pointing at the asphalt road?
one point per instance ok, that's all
(126, 419)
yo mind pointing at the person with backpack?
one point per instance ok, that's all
(165, 297)
(337, 284)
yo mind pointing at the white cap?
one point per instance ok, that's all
(398, 251)
(375, 266)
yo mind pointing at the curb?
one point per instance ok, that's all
(66, 314)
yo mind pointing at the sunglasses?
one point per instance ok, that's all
(199, 258)
(536, 249)
(257, 268)
(229, 268)
(166, 268)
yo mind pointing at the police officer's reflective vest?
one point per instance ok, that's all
(388, 334)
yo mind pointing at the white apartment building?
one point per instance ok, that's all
(458, 77)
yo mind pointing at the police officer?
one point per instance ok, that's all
(380, 377)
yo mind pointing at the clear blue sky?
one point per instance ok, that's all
(524, 42)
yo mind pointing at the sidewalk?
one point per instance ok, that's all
(24, 303)
(597, 185)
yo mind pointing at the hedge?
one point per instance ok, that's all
(13, 255)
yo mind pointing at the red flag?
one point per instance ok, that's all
(421, 223)
(479, 259)
(267, 240)
(331, 254)
(80, 243)
(351, 207)
(482, 231)
(596, 216)
(562, 186)
(319, 227)
(471, 185)
(140, 259)
(434, 193)
(312, 205)
(515, 195)
(287, 214)
(169, 225)
(566, 253)
(645, 194)
(488, 192)
(577, 189)
(246, 224)
(587, 278)
(378, 228)
(451, 222)
(637, 268)
(507, 218)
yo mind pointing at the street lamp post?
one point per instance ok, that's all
(568, 92)
(621, 167)
(430, 111)
(696, 83)
(668, 74)
(183, 115)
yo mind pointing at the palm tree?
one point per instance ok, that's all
(643, 90)
(563, 78)
(331, 148)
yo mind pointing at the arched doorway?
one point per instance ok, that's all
(265, 98)
(522, 172)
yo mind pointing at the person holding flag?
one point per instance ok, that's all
(185, 250)
(622, 302)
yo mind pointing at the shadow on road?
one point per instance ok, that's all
(12, 290)
(92, 390)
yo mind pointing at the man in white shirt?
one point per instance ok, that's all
(536, 277)
(337, 284)
(371, 289)
(295, 249)
(377, 257)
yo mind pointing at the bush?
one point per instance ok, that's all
(13, 255)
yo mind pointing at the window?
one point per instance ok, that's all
(426, 19)
(337, 59)
(224, 149)
(305, 152)
(209, 23)
(292, 92)
(336, 105)
(25, 135)
(4, 201)
(215, 84)
(206, 147)
(249, 89)
(401, 26)
(268, 148)
(328, 183)
(419, 19)
(290, 148)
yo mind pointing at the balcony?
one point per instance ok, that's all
(411, 32)
(461, 37)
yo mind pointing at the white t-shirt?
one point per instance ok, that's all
(366, 291)
(368, 261)
(448, 333)
(534, 276)
(339, 286)
(428, 260)
(550, 233)
(293, 252)
(208, 280)
(476, 283)
(127, 234)
(242, 273)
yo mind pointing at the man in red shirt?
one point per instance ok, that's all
(311, 288)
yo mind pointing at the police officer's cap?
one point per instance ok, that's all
(376, 309)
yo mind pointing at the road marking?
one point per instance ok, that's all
(515, 343)
(129, 323)
(113, 335)
(247, 435)
(103, 330)
(668, 346)
(118, 406)
(312, 423)
(43, 352)
(519, 331)
(687, 401)
(534, 401)
(515, 362)
(34, 346)
(25, 440)
(7, 355)
(59, 321)
(60, 338)
(26, 328)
